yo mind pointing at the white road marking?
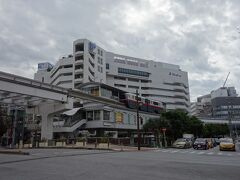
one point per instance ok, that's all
(201, 152)
(192, 152)
(174, 151)
(165, 150)
(184, 151)
(219, 153)
(210, 153)
(229, 154)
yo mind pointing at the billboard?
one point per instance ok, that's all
(119, 117)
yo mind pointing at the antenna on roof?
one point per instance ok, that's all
(226, 80)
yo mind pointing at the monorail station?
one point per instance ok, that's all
(120, 121)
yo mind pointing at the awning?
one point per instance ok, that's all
(71, 112)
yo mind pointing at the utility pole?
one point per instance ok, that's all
(138, 130)
(230, 119)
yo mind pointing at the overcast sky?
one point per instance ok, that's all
(201, 36)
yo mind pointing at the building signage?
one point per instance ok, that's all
(174, 74)
(45, 66)
(123, 58)
(91, 47)
(119, 117)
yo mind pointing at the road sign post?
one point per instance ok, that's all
(164, 137)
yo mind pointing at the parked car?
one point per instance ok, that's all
(201, 143)
(182, 143)
(210, 143)
(227, 144)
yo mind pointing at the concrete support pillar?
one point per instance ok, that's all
(47, 112)
(46, 126)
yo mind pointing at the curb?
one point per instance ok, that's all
(87, 148)
(13, 152)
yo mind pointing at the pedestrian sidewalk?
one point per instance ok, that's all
(13, 151)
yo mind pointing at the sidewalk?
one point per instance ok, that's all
(88, 147)
(12, 151)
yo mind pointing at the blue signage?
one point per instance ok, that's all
(45, 66)
(91, 47)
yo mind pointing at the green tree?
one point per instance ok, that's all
(211, 130)
(177, 122)
(4, 121)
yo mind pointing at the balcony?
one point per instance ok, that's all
(79, 71)
(79, 62)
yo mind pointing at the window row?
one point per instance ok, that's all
(100, 52)
(100, 60)
(133, 72)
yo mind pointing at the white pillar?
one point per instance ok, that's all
(46, 126)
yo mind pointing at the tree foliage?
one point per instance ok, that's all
(4, 121)
(211, 130)
(178, 122)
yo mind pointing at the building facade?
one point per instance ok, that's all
(91, 63)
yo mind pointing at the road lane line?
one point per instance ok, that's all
(201, 152)
(174, 151)
(229, 154)
(165, 151)
(210, 153)
(183, 151)
(219, 153)
(36, 154)
(192, 152)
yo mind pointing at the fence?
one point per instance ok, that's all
(89, 142)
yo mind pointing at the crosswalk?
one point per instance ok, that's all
(198, 152)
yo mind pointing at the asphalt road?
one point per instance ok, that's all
(67, 164)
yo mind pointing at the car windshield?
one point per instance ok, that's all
(200, 140)
(180, 140)
(226, 140)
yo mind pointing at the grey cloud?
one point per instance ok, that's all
(200, 36)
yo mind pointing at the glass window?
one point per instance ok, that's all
(107, 66)
(106, 115)
(79, 47)
(129, 119)
(97, 115)
(90, 115)
(133, 72)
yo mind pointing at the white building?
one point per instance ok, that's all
(89, 62)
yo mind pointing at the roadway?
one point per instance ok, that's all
(102, 165)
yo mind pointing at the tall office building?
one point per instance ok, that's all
(91, 63)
